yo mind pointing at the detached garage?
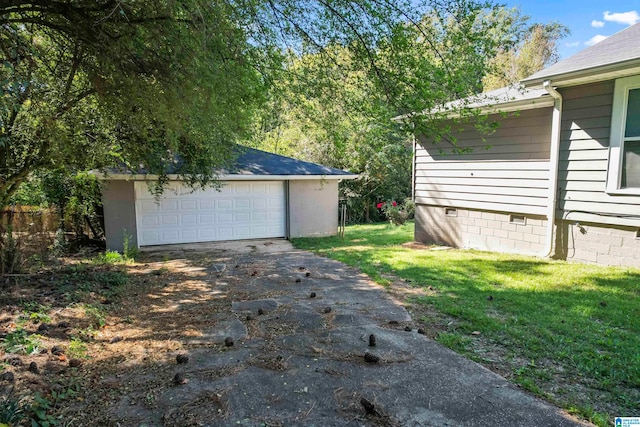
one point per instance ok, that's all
(264, 195)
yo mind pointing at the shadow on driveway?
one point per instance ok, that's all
(287, 343)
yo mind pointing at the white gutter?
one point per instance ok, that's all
(496, 108)
(553, 166)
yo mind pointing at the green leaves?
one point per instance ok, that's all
(85, 85)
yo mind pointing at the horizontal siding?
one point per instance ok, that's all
(478, 191)
(583, 144)
(584, 157)
(594, 122)
(600, 197)
(426, 172)
(587, 217)
(507, 171)
(479, 184)
(583, 165)
(583, 186)
(489, 206)
(465, 167)
(574, 155)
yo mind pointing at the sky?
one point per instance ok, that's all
(588, 20)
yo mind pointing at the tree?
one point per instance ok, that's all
(89, 83)
(537, 50)
(336, 113)
(85, 83)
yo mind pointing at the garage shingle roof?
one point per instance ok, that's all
(250, 162)
(257, 162)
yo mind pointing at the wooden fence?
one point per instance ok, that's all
(30, 219)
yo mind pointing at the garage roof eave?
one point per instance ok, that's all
(231, 177)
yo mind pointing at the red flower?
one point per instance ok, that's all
(380, 205)
(394, 203)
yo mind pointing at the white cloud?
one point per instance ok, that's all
(597, 24)
(572, 44)
(626, 18)
(595, 39)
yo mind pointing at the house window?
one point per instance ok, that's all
(623, 176)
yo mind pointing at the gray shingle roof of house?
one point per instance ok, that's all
(619, 48)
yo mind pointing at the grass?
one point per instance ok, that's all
(567, 332)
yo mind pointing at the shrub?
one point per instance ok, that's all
(396, 213)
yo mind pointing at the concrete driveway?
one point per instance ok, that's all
(298, 330)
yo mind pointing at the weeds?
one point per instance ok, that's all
(11, 410)
(35, 312)
(109, 257)
(77, 349)
(41, 412)
(10, 253)
(95, 315)
(130, 250)
(20, 341)
(59, 246)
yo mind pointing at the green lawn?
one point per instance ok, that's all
(567, 332)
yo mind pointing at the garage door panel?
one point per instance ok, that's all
(241, 210)
(241, 232)
(276, 216)
(149, 206)
(168, 205)
(152, 236)
(189, 234)
(207, 219)
(207, 234)
(170, 236)
(242, 217)
(188, 205)
(242, 188)
(259, 216)
(169, 219)
(259, 203)
(189, 219)
(224, 218)
(225, 204)
(243, 203)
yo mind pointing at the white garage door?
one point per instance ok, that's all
(241, 210)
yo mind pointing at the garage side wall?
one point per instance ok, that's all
(313, 208)
(119, 213)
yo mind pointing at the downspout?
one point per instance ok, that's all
(413, 164)
(556, 124)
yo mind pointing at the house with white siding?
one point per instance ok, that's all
(560, 176)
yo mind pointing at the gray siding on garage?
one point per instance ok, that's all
(584, 154)
(507, 171)
(313, 208)
(118, 199)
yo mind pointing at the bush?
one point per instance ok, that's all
(396, 213)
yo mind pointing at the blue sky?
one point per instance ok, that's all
(588, 20)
